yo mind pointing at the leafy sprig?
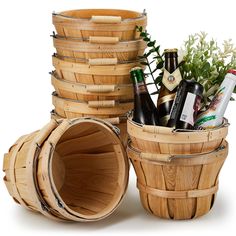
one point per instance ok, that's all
(152, 56)
(207, 63)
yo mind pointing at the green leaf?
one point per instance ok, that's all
(206, 67)
(142, 57)
(139, 28)
(157, 57)
(158, 79)
(151, 44)
(146, 39)
(145, 54)
(144, 63)
(148, 54)
(154, 93)
(160, 65)
(157, 48)
(143, 34)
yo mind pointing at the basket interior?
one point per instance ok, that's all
(87, 171)
(88, 13)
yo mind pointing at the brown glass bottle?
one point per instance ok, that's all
(145, 111)
(170, 81)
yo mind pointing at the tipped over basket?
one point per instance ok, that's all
(177, 172)
(84, 23)
(73, 170)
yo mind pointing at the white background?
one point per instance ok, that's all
(25, 96)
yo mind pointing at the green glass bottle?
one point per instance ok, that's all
(145, 111)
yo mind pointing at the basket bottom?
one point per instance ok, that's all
(164, 208)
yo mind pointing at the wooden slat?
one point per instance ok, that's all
(208, 178)
(155, 178)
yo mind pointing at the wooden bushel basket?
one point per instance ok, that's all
(69, 108)
(73, 170)
(82, 24)
(98, 49)
(91, 92)
(177, 172)
(94, 74)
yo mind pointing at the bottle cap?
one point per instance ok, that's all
(232, 71)
(170, 50)
(136, 68)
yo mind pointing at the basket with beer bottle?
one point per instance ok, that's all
(178, 147)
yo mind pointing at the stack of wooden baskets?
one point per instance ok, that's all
(177, 172)
(95, 50)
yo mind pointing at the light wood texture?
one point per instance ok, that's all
(88, 74)
(102, 61)
(99, 22)
(78, 167)
(102, 40)
(183, 187)
(77, 50)
(119, 122)
(69, 108)
(84, 92)
(106, 19)
(163, 140)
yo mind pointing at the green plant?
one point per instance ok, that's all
(152, 58)
(207, 63)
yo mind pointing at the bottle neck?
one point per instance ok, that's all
(137, 76)
(171, 62)
(138, 80)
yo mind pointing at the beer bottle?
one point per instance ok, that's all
(145, 112)
(213, 116)
(186, 105)
(170, 81)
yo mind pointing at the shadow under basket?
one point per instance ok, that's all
(73, 170)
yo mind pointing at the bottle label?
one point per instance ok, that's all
(190, 109)
(167, 98)
(205, 119)
(217, 99)
(140, 88)
(208, 118)
(171, 81)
